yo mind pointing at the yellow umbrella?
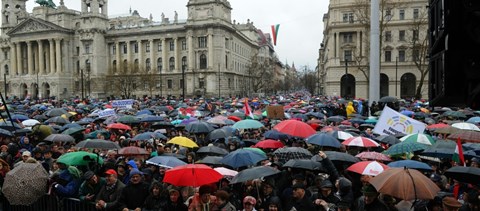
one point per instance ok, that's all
(183, 141)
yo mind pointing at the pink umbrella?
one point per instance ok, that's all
(371, 168)
(226, 172)
(360, 142)
(373, 156)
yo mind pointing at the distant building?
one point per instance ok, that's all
(66, 53)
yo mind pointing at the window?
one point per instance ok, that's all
(159, 65)
(87, 48)
(184, 45)
(415, 35)
(184, 63)
(388, 14)
(135, 47)
(416, 55)
(171, 63)
(401, 55)
(181, 83)
(201, 83)
(347, 55)
(388, 56)
(136, 65)
(348, 17)
(114, 49)
(388, 36)
(125, 65)
(416, 13)
(159, 46)
(125, 48)
(348, 38)
(147, 65)
(203, 61)
(401, 14)
(169, 83)
(147, 47)
(114, 65)
(401, 35)
(172, 45)
(202, 42)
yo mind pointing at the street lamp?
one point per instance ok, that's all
(183, 82)
(218, 81)
(346, 77)
(160, 75)
(81, 83)
(5, 80)
(396, 76)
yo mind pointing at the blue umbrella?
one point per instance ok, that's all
(148, 135)
(324, 140)
(165, 161)
(242, 157)
(474, 120)
(407, 113)
(19, 117)
(275, 135)
(144, 111)
(413, 164)
(69, 125)
(151, 118)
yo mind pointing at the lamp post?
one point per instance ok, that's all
(183, 82)
(160, 75)
(346, 77)
(81, 83)
(37, 92)
(396, 76)
(218, 81)
(5, 81)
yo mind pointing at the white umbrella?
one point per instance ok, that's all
(30, 122)
(465, 126)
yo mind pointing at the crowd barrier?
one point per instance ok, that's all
(53, 203)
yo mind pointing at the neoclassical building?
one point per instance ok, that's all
(343, 63)
(66, 53)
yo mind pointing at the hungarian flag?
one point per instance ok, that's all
(458, 155)
(246, 108)
(275, 33)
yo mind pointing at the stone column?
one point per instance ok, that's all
(176, 53)
(140, 56)
(41, 56)
(58, 55)
(191, 56)
(52, 55)
(13, 59)
(210, 51)
(129, 57)
(153, 61)
(164, 55)
(30, 58)
(19, 71)
(117, 57)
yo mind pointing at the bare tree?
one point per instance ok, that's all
(122, 82)
(260, 73)
(418, 48)
(149, 81)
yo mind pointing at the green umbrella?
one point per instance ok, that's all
(405, 147)
(80, 158)
(248, 124)
(419, 138)
(128, 119)
(256, 150)
(73, 130)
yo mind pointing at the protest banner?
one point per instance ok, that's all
(392, 122)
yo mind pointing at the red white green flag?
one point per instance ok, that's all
(458, 155)
(275, 33)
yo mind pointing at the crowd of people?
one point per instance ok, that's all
(129, 183)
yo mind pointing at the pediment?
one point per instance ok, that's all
(34, 25)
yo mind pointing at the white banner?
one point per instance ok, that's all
(122, 103)
(392, 122)
(106, 112)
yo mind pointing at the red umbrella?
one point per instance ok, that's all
(360, 141)
(436, 126)
(234, 118)
(466, 135)
(295, 128)
(132, 150)
(373, 156)
(269, 144)
(119, 126)
(372, 168)
(191, 175)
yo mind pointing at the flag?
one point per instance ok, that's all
(246, 108)
(458, 155)
(275, 33)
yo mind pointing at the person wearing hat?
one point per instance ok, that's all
(175, 200)
(157, 199)
(268, 191)
(475, 162)
(325, 197)
(300, 200)
(204, 200)
(369, 201)
(90, 186)
(108, 196)
(249, 203)
(135, 192)
(450, 204)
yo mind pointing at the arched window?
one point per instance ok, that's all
(347, 86)
(384, 83)
(184, 63)
(147, 65)
(408, 85)
(159, 65)
(136, 65)
(203, 61)
(125, 65)
(114, 66)
(171, 63)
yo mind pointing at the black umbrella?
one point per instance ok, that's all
(5, 133)
(303, 164)
(59, 138)
(164, 125)
(464, 174)
(57, 120)
(199, 127)
(324, 140)
(254, 173)
(211, 160)
(9, 126)
(337, 157)
(212, 150)
(388, 99)
(97, 144)
(287, 153)
(55, 112)
(441, 149)
(219, 134)
(73, 130)
(276, 135)
(25, 184)
(388, 139)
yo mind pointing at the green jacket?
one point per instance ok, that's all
(86, 188)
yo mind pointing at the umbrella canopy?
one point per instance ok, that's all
(211, 160)
(212, 150)
(373, 156)
(72, 131)
(119, 126)
(388, 139)
(341, 135)
(360, 142)
(151, 118)
(275, 135)
(406, 184)
(191, 175)
(242, 157)
(411, 164)
(199, 127)
(339, 157)
(464, 174)
(219, 134)
(287, 153)
(25, 184)
(324, 140)
(405, 147)
(57, 120)
(254, 173)
(165, 161)
(6, 133)
(474, 120)
(59, 138)
(466, 126)
(30, 122)
(303, 164)
(128, 119)
(248, 124)
(97, 144)
(371, 168)
(226, 172)
(418, 137)
(447, 130)
(132, 150)
(55, 112)
(148, 135)
(295, 128)
(183, 141)
(441, 149)
(388, 99)
(466, 135)
(80, 158)
(269, 144)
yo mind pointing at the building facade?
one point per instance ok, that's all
(66, 53)
(344, 54)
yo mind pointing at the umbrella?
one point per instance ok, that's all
(80, 158)
(324, 140)
(30, 122)
(211, 160)
(132, 150)
(97, 144)
(466, 126)
(199, 127)
(57, 120)
(183, 141)
(128, 119)
(406, 184)
(191, 175)
(6, 133)
(219, 134)
(218, 120)
(464, 174)
(248, 124)
(388, 139)
(405, 147)
(9, 126)
(341, 135)
(360, 142)
(288, 153)
(337, 157)
(151, 118)
(55, 112)
(295, 128)
(19, 117)
(447, 130)
(303, 164)
(411, 164)
(254, 173)
(72, 131)
(419, 138)
(59, 138)
(226, 172)
(474, 120)
(269, 144)
(162, 125)
(165, 161)
(373, 156)
(119, 126)
(372, 168)
(148, 135)
(275, 135)
(388, 99)
(441, 149)
(242, 157)
(335, 119)
(212, 150)
(25, 184)
(465, 135)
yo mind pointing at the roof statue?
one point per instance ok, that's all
(46, 3)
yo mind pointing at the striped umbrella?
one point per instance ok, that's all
(360, 142)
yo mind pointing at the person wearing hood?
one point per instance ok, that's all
(370, 201)
(134, 194)
(25, 143)
(344, 190)
(67, 181)
(350, 110)
(130, 166)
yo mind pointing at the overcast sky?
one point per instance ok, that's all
(301, 24)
